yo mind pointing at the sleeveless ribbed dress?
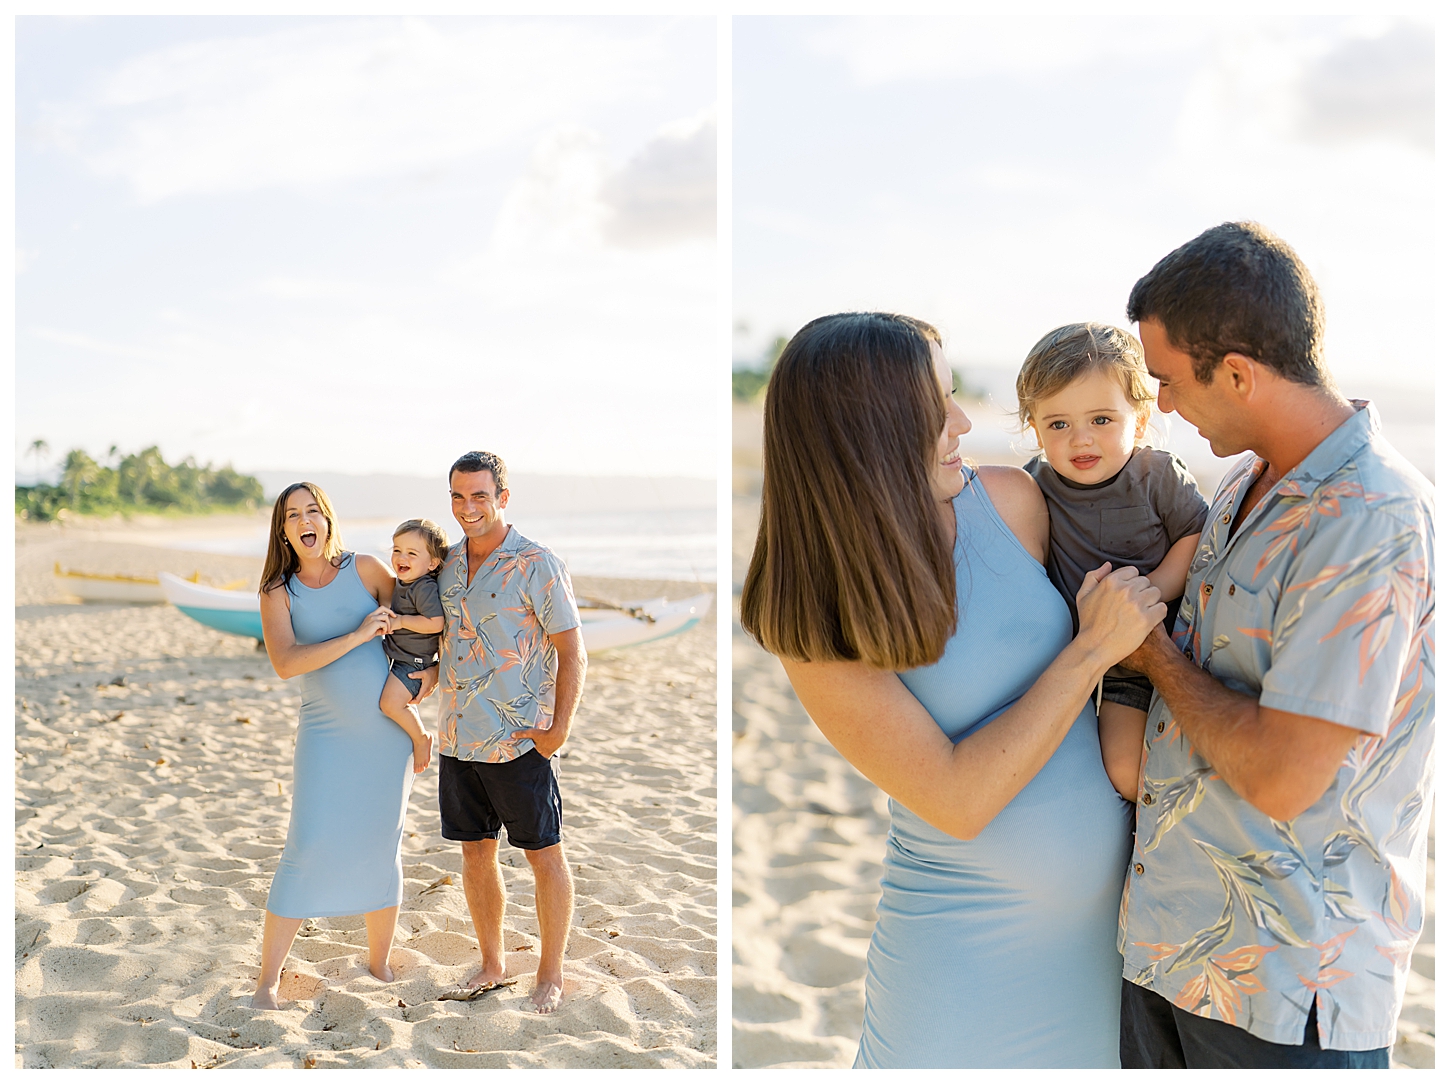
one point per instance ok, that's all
(1000, 951)
(351, 772)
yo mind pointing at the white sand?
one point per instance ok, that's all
(152, 792)
(809, 837)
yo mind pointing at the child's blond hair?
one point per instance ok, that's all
(1074, 350)
(432, 533)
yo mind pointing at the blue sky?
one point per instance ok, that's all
(1018, 167)
(366, 244)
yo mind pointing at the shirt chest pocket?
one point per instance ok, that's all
(1132, 534)
(1239, 628)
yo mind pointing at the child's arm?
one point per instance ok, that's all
(418, 623)
(1172, 572)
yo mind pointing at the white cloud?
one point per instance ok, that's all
(1055, 37)
(983, 39)
(337, 102)
(92, 345)
(310, 289)
(666, 192)
(1373, 88)
(555, 204)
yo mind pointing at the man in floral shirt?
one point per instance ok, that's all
(1277, 883)
(512, 667)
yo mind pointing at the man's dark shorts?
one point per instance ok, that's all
(476, 800)
(1156, 1034)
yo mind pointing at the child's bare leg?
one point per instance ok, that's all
(395, 706)
(1120, 733)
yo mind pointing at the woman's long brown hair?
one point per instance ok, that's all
(851, 560)
(282, 563)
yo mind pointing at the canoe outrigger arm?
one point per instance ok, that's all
(636, 612)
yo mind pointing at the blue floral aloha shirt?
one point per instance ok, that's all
(1321, 604)
(497, 664)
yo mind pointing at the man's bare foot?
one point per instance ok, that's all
(265, 999)
(383, 974)
(485, 976)
(547, 996)
(422, 752)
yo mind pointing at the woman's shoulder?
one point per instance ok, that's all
(1019, 502)
(1010, 486)
(369, 569)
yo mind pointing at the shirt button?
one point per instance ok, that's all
(1207, 589)
(1226, 517)
(1138, 868)
(1188, 653)
(1160, 726)
(1230, 589)
(1147, 799)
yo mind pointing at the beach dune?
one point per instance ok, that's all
(152, 793)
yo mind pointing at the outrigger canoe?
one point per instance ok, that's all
(605, 625)
(96, 587)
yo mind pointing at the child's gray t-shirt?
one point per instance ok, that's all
(1133, 518)
(420, 599)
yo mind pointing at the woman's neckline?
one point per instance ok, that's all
(336, 571)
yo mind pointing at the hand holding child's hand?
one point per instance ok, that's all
(375, 624)
(1117, 610)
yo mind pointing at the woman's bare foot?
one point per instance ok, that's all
(265, 999)
(382, 974)
(547, 996)
(422, 752)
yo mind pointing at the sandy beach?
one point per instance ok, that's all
(153, 774)
(809, 837)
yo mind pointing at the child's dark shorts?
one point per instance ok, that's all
(1134, 692)
(476, 800)
(401, 670)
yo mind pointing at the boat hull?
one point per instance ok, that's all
(240, 613)
(237, 622)
(106, 589)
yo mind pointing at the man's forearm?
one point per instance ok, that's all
(568, 691)
(1220, 724)
(1279, 762)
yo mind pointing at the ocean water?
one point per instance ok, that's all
(664, 544)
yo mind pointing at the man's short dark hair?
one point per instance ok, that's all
(473, 462)
(1237, 288)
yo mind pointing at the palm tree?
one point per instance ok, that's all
(38, 447)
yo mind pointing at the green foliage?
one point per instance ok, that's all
(749, 383)
(143, 482)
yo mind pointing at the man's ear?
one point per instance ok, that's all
(1243, 374)
(503, 498)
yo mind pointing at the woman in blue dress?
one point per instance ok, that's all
(324, 612)
(906, 597)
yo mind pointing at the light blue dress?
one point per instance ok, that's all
(1000, 951)
(351, 772)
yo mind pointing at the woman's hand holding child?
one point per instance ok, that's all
(1116, 612)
